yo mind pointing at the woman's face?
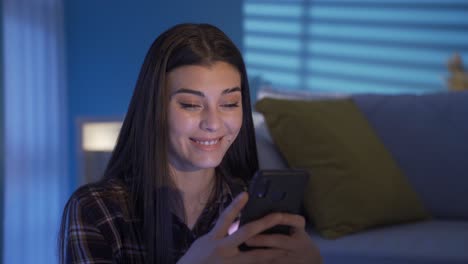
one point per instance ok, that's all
(205, 114)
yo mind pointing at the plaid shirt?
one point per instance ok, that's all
(100, 228)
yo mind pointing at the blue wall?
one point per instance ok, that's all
(106, 42)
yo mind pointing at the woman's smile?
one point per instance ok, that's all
(207, 144)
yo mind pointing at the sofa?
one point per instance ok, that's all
(427, 137)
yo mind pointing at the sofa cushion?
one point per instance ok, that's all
(269, 156)
(428, 137)
(434, 241)
(355, 183)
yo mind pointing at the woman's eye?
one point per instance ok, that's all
(189, 106)
(231, 105)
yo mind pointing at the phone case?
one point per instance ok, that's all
(274, 191)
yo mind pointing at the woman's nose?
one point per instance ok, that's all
(211, 120)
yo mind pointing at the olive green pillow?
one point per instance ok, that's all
(355, 183)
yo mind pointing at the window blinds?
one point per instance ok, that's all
(351, 46)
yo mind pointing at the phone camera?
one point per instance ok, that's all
(263, 187)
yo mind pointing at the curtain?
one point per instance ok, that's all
(35, 176)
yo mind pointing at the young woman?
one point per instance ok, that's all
(174, 184)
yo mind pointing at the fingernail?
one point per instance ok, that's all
(233, 228)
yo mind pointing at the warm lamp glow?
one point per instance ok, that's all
(100, 136)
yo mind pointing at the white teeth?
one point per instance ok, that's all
(210, 142)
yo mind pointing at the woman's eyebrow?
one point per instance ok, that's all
(189, 91)
(232, 90)
(201, 94)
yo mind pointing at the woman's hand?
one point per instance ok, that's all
(217, 247)
(298, 246)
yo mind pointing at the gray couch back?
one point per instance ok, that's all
(427, 136)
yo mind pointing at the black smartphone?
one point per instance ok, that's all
(274, 191)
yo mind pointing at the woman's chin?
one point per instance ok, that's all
(207, 164)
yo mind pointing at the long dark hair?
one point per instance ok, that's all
(140, 156)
